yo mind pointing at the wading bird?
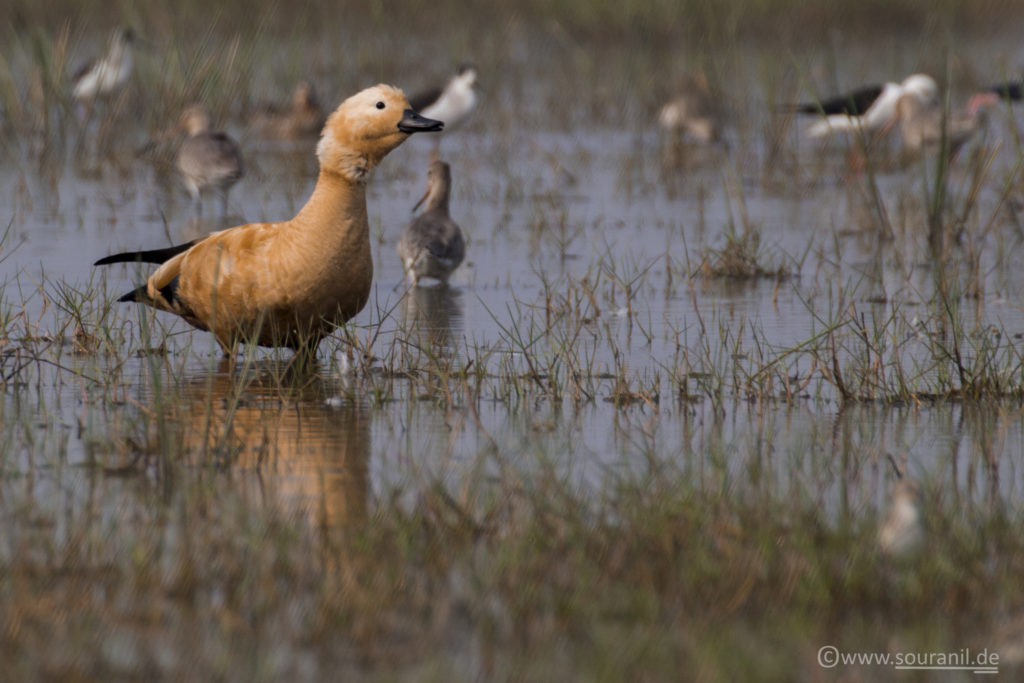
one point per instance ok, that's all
(432, 244)
(105, 75)
(207, 159)
(291, 283)
(451, 103)
(871, 109)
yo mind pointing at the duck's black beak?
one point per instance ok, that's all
(414, 123)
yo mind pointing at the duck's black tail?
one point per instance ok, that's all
(138, 294)
(151, 256)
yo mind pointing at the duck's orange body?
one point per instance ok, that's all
(277, 284)
(290, 283)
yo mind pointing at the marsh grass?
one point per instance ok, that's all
(739, 259)
(483, 579)
(489, 564)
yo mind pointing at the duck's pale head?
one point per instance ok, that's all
(365, 127)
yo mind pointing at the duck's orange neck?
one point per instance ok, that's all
(335, 201)
(332, 233)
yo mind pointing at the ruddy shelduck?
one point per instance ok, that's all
(207, 159)
(291, 283)
(432, 244)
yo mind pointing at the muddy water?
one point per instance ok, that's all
(558, 206)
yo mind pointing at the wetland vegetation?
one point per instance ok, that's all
(650, 432)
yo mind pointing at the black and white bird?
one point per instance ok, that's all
(870, 109)
(451, 103)
(432, 244)
(107, 74)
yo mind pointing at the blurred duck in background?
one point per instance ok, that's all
(691, 112)
(302, 118)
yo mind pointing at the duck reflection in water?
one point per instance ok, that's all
(306, 447)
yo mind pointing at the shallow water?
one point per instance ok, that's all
(546, 207)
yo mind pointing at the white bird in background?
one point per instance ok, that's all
(106, 75)
(451, 103)
(871, 109)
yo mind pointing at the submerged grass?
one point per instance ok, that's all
(515, 572)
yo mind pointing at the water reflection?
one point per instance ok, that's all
(678, 155)
(306, 456)
(433, 315)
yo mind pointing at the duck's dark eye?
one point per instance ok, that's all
(380, 105)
